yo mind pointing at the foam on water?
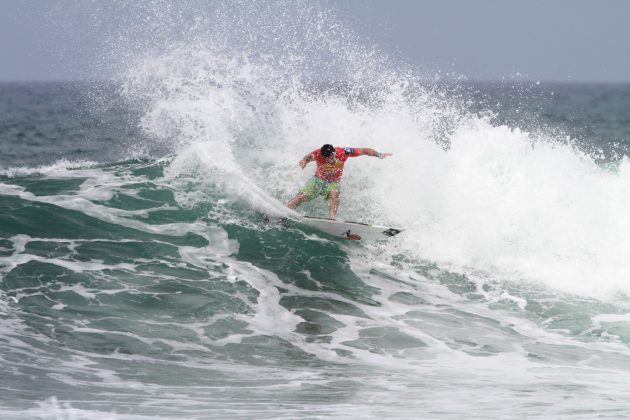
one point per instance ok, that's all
(61, 166)
(517, 207)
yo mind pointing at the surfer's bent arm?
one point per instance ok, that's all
(366, 151)
(306, 159)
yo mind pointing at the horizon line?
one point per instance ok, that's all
(441, 80)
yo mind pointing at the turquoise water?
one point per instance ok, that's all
(138, 278)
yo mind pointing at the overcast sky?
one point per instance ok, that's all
(561, 40)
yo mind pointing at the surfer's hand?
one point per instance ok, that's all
(383, 155)
(302, 164)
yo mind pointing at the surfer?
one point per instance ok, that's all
(325, 182)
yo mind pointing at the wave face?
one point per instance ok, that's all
(139, 278)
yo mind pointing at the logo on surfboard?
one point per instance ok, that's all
(351, 236)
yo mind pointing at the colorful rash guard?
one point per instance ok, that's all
(331, 172)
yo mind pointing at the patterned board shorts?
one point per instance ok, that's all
(316, 186)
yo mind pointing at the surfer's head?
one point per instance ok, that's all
(327, 150)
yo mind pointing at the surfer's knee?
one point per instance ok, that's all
(334, 194)
(294, 202)
(297, 200)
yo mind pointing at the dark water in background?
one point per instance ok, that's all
(48, 121)
(137, 288)
(593, 115)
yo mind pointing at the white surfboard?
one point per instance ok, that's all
(350, 230)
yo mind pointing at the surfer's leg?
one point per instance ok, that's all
(333, 203)
(307, 193)
(297, 200)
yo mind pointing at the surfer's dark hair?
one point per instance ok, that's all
(327, 150)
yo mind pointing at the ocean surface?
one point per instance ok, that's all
(139, 280)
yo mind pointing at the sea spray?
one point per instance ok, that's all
(473, 195)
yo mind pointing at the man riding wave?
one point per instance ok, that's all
(330, 161)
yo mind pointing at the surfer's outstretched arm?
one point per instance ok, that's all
(366, 151)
